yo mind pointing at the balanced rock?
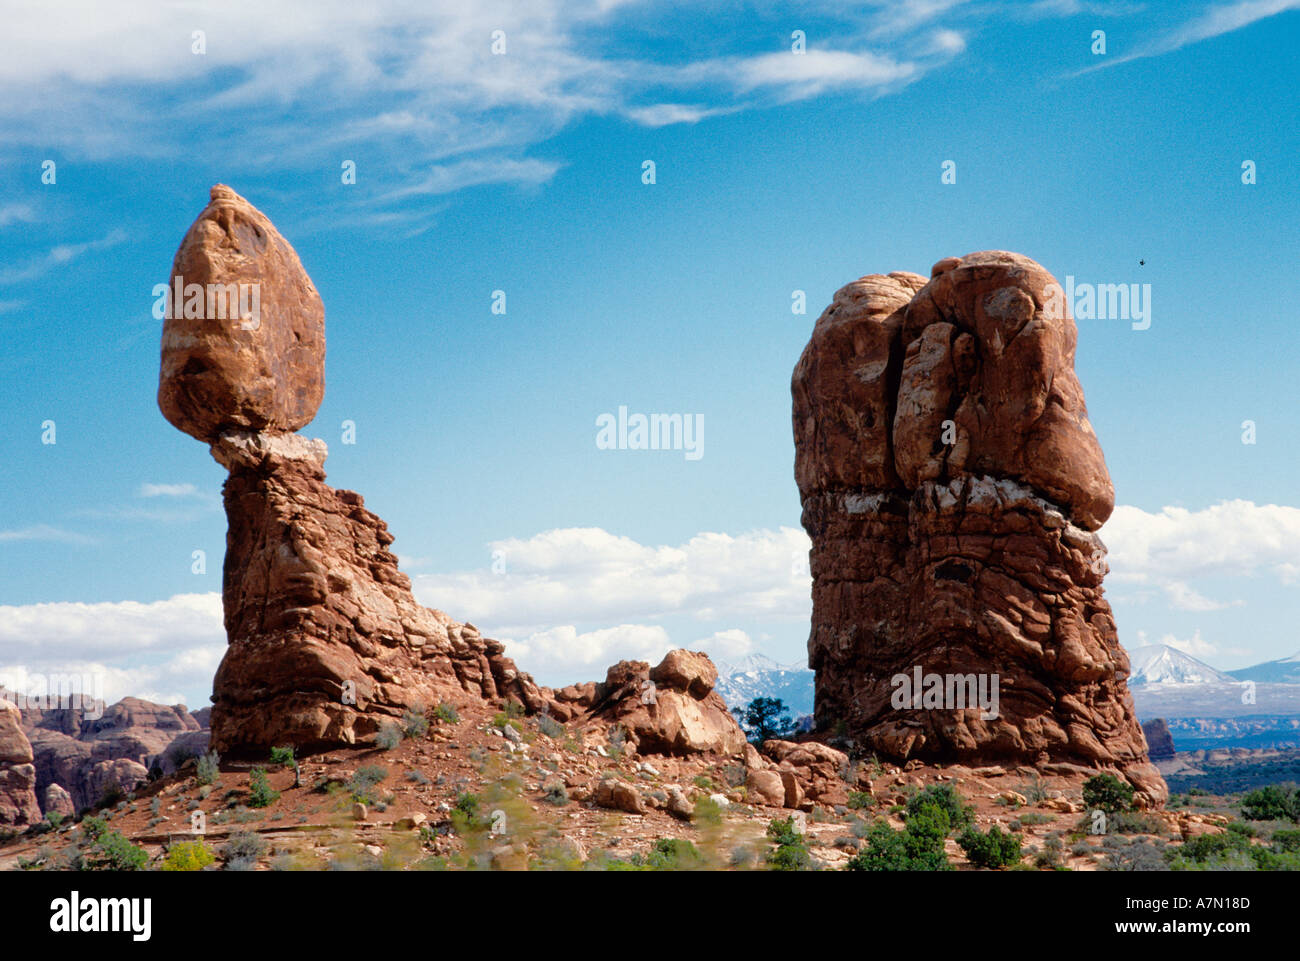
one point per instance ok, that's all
(243, 345)
(952, 487)
(326, 642)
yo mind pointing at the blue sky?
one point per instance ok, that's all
(522, 172)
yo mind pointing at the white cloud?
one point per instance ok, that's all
(44, 532)
(164, 651)
(1165, 551)
(1216, 21)
(60, 256)
(563, 652)
(169, 490)
(16, 214)
(589, 574)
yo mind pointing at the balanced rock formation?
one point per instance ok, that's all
(326, 641)
(952, 487)
(18, 802)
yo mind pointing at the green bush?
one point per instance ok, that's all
(447, 712)
(260, 793)
(918, 847)
(674, 854)
(946, 798)
(1274, 802)
(113, 852)
(1108, 793)
(208, 769)
(282, 756)
(791, 852)
(93, 828)
(188, 856)
(995, 849)
(861, 801)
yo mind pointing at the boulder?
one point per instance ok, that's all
(243, 347)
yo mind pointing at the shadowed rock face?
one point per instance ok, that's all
(951, 485)
(18, 804)
(225, 368)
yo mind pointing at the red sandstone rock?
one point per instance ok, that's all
(264, 370)
(18, 804)
(951, 485)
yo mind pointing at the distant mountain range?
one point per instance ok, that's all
(1161, 664)
(1284, 671)
(1165, 683)
(760, 676)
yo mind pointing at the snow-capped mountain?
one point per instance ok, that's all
(1164, 665)
(759, 676)
(1283, 671)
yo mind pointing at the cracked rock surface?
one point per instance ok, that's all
(952, 487)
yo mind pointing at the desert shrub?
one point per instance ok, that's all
(918, 847)
(113, 852)
(465, 817)
(946, 798)
(93, 828)
(389, 736)
(1287, 841)
(550, 727)
(54, 819)
(674, 854)
(1123, 854)
(155, 806)
(703, 782)
(1049, 855)
(1273, 802)
(791, 851)
(707, 811)
(242, 851)
(1136, 822)
(188, 856)
(208, 769)
(447, 713)
(617, 741)
(556, 794)
(364, 781)
(1034, 790)
(996, 849)
(282, 756)
(1032, 818)
(861, 801)
(415, 724)
(418, 777)
(260, 792)
(1107, 793)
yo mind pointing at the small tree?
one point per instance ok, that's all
(260, 792)
(764, 718)
(1108, 793)
(993, 850)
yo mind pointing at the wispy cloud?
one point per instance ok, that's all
(169, 490)
(1214, 22)
(60, 256)
(44, 532)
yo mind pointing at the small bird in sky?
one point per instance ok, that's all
(1142, 263)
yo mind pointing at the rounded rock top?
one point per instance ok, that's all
(243, 340)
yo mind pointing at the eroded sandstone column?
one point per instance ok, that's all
(326, 641)
(952, 487)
